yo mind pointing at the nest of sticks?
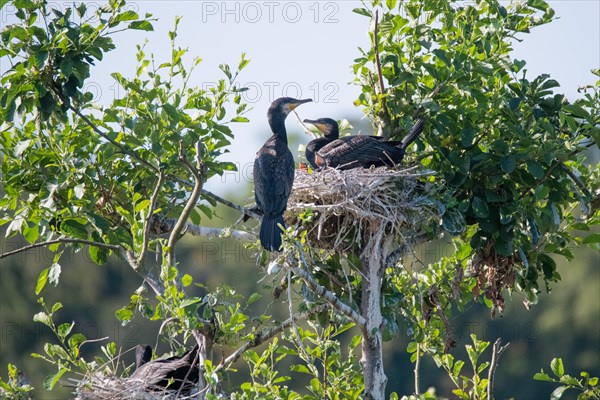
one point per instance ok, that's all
(100, 387)
(345, 204)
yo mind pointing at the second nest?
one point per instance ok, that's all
(346, 203)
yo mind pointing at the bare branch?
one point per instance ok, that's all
(417, 369)
(323, 293)
(197, 173)
(161, 177)
(167, 225)
(112, 247)
(291, 308)
(404, 248)
(154, 283)
(267, 334)
(497, 351)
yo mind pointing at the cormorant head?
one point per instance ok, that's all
(327, 126)
(143, 354)
(283, 105)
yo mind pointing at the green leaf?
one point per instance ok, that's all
(391, 4)
(57, 306)
(557, 367)
(98, 255)
(126, 16)
(558, 392)
(187, 280)
(52, 379)
(141, 25)
(569, 380)
(535, 169)
(466, 136)
(253, 298)
(21, 147)
(43, 318)
(362, 11)
(453, 221)
(74, 228)
(123, 314)
(41, 281)
(64, 329)
(541, 376)
(76, 340)
(480, 207)
(508, 163)
(593, 238)
(54, 273)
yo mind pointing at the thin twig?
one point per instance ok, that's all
(159, 182)
(303, 125)
(267, 334)
(577, 181)
(291, 309)
(384, 119)
(112, 247)
(377, 60)
(417, 365)
(497, 350)
(322, 292)
(207, 232)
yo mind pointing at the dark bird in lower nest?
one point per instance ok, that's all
(356, 151)
(173, 373)
(274, 173)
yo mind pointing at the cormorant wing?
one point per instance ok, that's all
(356, 151)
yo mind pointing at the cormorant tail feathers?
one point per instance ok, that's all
(414, 133)
(270, 233)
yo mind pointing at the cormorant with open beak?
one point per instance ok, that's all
(359, 150)
(274, 173)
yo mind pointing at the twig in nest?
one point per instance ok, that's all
(344, 203)
(303, 125)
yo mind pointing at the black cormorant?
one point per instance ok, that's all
(156, 374)
(330, 131)
(361, 151)
(274, 173)
(143, 354)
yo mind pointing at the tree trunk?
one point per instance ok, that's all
(373, 268)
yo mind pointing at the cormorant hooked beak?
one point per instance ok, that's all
(293, 103)
(327, 126)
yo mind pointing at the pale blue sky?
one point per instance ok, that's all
(306, 48)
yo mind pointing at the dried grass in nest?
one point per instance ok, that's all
(347, 203)
(99, 387)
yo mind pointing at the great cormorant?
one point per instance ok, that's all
(330, 131)
(274, 173)
(143, 354)
(172, 373)
(360, 151)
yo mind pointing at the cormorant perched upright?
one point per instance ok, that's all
(362, 151)
(183, 370)
(331, 132)
(274, 173)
